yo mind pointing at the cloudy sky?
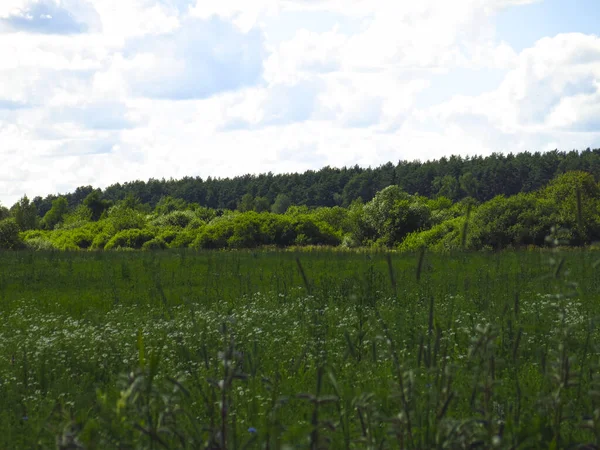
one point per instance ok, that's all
(109, 91)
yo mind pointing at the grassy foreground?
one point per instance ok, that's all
(274, 350)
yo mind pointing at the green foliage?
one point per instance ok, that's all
(446, 186)
(168, 204)
(39, 244)
(80, 216)
(246, 203)
(129, 238)
(4, 212)
(281, 204)
(75, 239)
(392, 214)
(122, 217)
(184, 238)
(261, 204)
(469, 184)
(100, 241)
(96, 204)
(442, 237)
(581, 216)
(278, 230)
(156, 243)
(569, 203)
(180, 219)
(259, 349)
(56, 214)
(9, 235)
(25, 214)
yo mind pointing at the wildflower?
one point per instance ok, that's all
(251, 430)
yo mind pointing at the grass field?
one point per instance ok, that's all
(299, 350)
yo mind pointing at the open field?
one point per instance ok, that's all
(183, 349)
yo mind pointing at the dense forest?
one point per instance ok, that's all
(494, 202)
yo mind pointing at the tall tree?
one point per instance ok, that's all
(25, 214)
(281, 204)
(96, 204)
(55, 214)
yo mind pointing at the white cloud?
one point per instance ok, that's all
(161, 88)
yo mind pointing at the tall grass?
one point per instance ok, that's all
(274, 350)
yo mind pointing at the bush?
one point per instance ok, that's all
(78, 238)
(123, 218)
(100, 241)
(154, 244)
(132, 238)
(39, 244)
(179, 219)
(311, 233)
(9, 235)
(184, 239)
(444, 236)
(211, 238)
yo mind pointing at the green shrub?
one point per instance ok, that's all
(39, 243)
(123, 218)
(78, 238)
(211, 238)
(154, 244)
(131, 238)
(100, 241)
(184, 238)
(444, 236)
(9, 235)
(179, 219)
(168, 235)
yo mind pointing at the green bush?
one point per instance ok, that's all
(311, 233)
(211, 238)
(9, 235)
(39, 243)
(131, 238)
(443, 236)
(123, 218)
(154, 244)
(180, 219)
(100, 241)
(78, 238)
(184, 238)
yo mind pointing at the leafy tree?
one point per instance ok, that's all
(281, 204)
(78, 217)
(246, 203)
(169, 204)
(123, 218)
(469, 184)
(96, 204)
(130, 238)
(133, 202)
(4, 212)
(261, 204)
(9, 235)
(56, 214)
(575, 194)
(25, 214)
(446, 186)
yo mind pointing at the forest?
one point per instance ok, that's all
(494, 202)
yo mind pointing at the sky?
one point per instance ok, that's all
(106, 91)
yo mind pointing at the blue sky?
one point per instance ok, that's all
(105, 91)
(522, 26)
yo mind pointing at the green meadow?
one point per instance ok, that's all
(182, 349)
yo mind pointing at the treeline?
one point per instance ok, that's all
(456, 178)
(566, 211)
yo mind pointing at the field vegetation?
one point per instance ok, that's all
(312, 349)
(450, 304)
